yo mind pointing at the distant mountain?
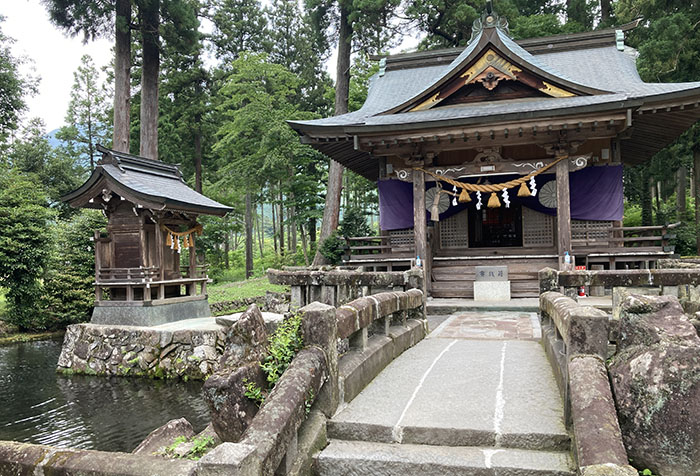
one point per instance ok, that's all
(53, 141)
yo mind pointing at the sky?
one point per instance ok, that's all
(55, 56)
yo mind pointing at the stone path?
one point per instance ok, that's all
(476, 397)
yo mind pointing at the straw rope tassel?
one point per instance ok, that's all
(524, 191)
(186, 241)
(464, 197)
(494, 202)
(169, 240)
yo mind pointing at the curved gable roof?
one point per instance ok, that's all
(146, 182)
(494, 42)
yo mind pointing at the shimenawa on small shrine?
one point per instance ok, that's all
(152, 218)
(506, 152)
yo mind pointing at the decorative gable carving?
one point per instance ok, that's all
(491, 70)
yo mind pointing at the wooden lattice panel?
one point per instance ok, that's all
(538, 228)
(401, 238)
(590, 230)
(454, 231)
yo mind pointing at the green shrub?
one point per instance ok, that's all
(25, 244)
(354, 223)
(333, 248)
(67, 298)
(282, 346)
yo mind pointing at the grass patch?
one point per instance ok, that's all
(233, 291)
(3, 303)
(22, 337)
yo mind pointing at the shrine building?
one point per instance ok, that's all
(146, 267)
(507, 153)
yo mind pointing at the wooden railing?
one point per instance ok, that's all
(127, 275)
(136, 285)
(201, 271)
(631, 237)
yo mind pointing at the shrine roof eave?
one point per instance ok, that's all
(478, 116)
(144, 182)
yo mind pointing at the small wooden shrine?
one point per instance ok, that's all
(152, 220)
(507, 153)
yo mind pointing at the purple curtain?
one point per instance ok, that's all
(395, 204)
(596, 194)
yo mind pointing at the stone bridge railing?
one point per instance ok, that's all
(290, 426)
(570, 281)
(575, 338)
(337, 287)
(280, 440)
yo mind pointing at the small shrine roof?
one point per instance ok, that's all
(144, 182)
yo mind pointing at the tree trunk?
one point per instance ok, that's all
(604, 11)
(227, 248)
(198, 154)
(274, 227)
(312, 230)
(149, 79)
(122, 76)
(696, 179)
(280, 219)
(292, 231)
(681, 205)
(261, 230)
(304, 245)
(248, 236)
(331, 212)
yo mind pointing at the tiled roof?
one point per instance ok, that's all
(152, 181)
(602, 68)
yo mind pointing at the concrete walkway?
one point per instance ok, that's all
(480, 384)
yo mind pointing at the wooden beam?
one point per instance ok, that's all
(470, 169)
(420, 225)
(563, 211)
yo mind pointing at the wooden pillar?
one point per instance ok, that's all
(193, 264)
(419, 220)
(563, 211)
(159, 251)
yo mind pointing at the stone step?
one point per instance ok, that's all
(446, 436)
(350, 458)
(460, 392)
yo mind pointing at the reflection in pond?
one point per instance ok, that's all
(111, 414)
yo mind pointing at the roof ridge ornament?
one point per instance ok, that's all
(488, 19)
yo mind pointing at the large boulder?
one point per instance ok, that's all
(246, 342)
(656, 384)
(231, 410)
(161, 438)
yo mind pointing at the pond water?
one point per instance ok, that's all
(102, 413)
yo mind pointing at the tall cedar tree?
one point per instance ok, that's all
(86, 118)
(369, 26)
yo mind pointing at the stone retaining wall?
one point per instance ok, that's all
(139, 351)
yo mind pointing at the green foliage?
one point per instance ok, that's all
(200, 445)
(52, 169)
(14, 86)
(282, 347)
(254, 392)
(25, 244)
(354, 223)
(68, 293)
(87, 119)
(333, 248)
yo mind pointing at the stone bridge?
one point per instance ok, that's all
(396, 392)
